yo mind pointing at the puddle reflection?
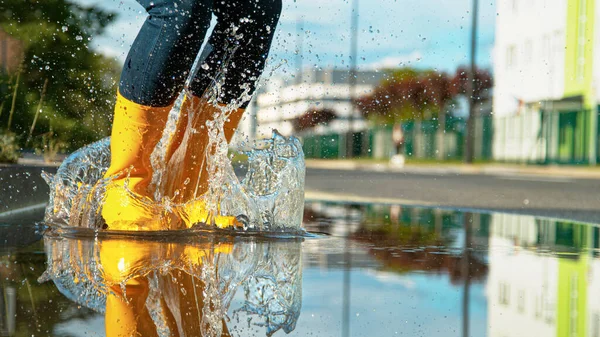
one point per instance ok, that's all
(151, 288)
(381, 271)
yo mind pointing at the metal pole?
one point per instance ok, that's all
(346, 285)
(470, 143)
(352, 77)
(466, 272)
(11, 309)
(299, 52)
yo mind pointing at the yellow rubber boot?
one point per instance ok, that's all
(187, 159)
(136, 131)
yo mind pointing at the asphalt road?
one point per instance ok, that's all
(548, 196)
(555, 197)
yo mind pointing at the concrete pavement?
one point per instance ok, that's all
(590, 172)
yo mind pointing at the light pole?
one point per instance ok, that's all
(299, 45)
(470, 143)
(466, 273)
(352, 77)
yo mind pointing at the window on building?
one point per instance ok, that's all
(504, 293)
(581, 40)
(546, 49)
(538, 306)
(528, 52)
(521, 301)
(511, 57)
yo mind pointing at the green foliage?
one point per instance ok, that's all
(9, 148)
(49, 147)
(55, 35)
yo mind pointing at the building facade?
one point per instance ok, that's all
(546, 81)
(281, 101)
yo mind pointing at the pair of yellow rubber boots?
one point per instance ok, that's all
(137, 129)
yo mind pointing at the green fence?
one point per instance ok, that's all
(537, 137)
(421, 140)
(573, 138)
(545, 137)
(322, 146)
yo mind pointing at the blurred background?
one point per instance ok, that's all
(495, 81)
(402, 106)
(341, 76)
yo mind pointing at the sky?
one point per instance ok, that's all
(431, 34)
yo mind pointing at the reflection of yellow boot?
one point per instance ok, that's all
(136, 131)
(190, 289)
(126, 317)
(187, 159)
(125, 264)
(128, 263)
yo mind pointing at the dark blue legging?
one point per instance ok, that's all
(164, 50)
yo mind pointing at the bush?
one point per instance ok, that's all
(50, 147)
(9, 148)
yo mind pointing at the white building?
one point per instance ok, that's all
(544, 67)
(281, 101)
(529, 54)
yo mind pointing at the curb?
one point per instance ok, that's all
(492, 169)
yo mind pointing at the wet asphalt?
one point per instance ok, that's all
(546, 196)
(553, 197)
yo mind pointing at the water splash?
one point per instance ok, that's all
(269, 198)
(77, 185)
(189, 286)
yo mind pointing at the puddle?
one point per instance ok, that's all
(376, 271)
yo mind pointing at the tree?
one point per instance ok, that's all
(79, 99)
(482, 80)
(312, 118)
(408, 94)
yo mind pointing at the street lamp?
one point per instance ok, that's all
(352, 77)
(470, 143)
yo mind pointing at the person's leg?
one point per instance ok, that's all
(154, 73)
(248, 27)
